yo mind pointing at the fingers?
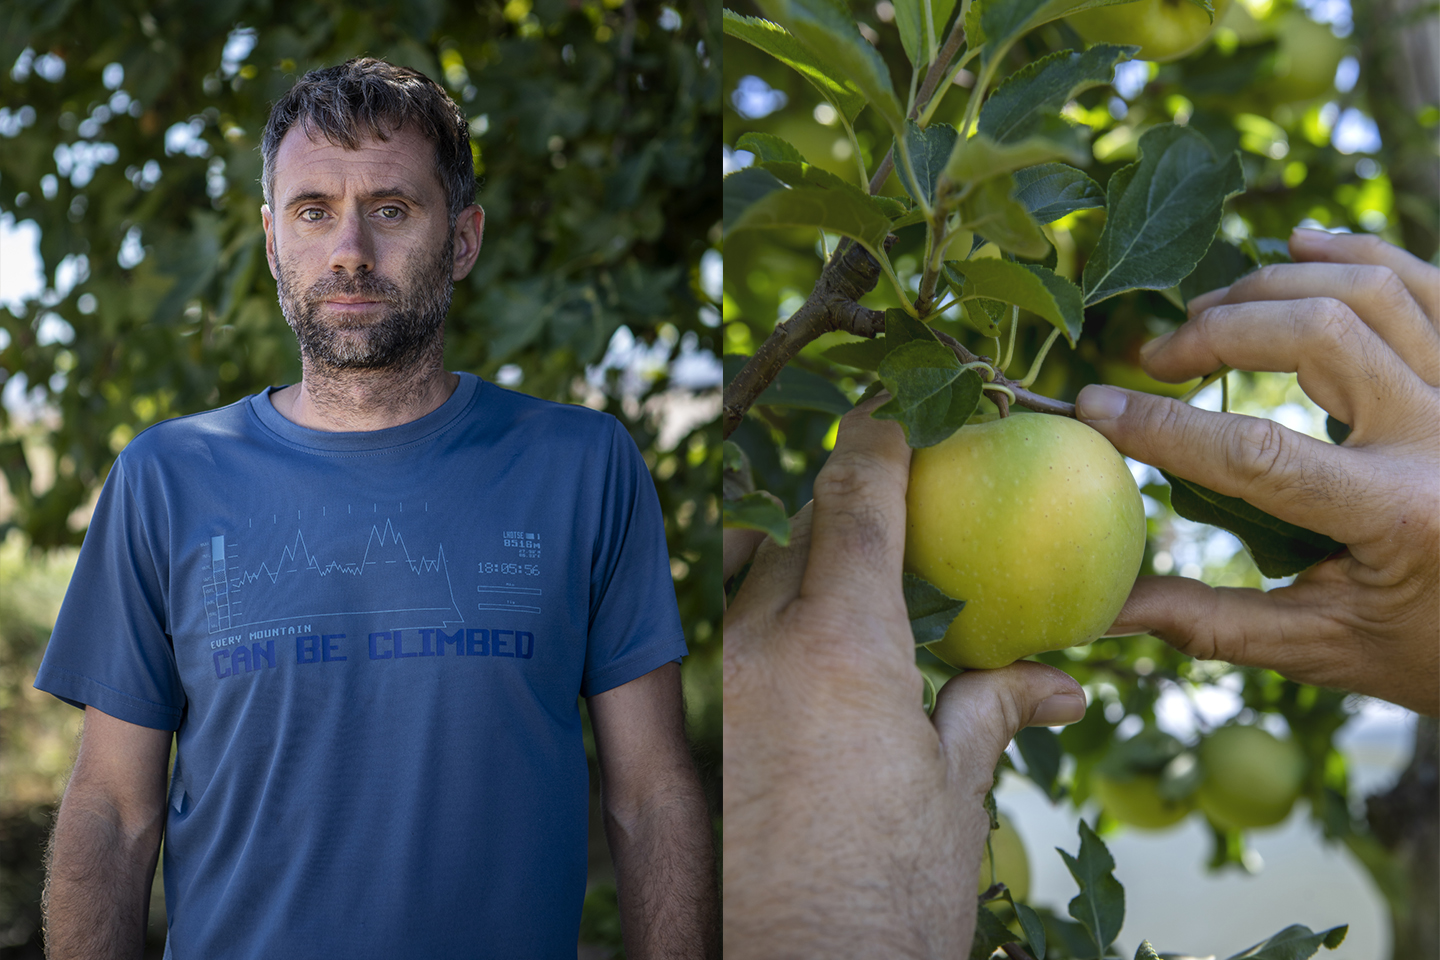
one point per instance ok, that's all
(979, 712)
(858, 536)
(740, 545)
(1343, 364)
(775, 573)
(1284, 629)
(1375, 296)
(1297, 478)
(1420, 278)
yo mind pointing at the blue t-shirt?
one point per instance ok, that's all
(371, 646)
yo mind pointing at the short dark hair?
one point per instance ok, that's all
(368, 97)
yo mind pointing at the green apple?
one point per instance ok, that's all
(1163, 29)
(1011, 866)
(1306, 60)
(1252, 778)
(1137, 801)
(1036, 523)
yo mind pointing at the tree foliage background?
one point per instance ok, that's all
(129, 135)
(1353, 148)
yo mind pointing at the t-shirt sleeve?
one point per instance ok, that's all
(110, 648)
(634, 621)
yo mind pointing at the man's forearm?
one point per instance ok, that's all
(97, 895)
(665, 870)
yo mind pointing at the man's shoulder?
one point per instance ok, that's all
(558, 420)
(183, 433)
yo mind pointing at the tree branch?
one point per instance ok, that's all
(831, 306)
(937, 72)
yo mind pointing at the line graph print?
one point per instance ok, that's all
(294, 581)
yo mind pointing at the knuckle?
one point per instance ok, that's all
(1332, 320)
(1259, 450)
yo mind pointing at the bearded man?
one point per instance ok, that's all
(365, 606)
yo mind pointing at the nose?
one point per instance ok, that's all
(354, 250)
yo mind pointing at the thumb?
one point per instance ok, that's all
(979, 712)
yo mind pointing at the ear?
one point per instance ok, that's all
(469, 233)
(268, 222)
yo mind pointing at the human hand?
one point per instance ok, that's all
(854, 824)
(1356, 318)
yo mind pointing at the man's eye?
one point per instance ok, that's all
(390, 213)
(313, 215)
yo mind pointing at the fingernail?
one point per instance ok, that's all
(1306, 233)
(1156, 344)
(1098, 402)
(1058, 710)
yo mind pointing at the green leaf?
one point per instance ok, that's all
(980, 157)
(794, 387)
(1100, 905)
(1146, 952)
(932, 393)
(991, 210)
(1267, 250)
(990, 935)
(1027, 102)
(861, 354)
(775, 40)
(756, 511)
(1222, 265)
(900, 328)
(1028, 286)
(800, 195)
(1040, 749)
(1049, 191)
(1163, 213)
(832, 36)
(735, 470)
(930, 609)
(1033, 927)
(1295, 942)
(914, 37)
(929, 150)
(999, 23)
(769, 148)
(984, 315)
(1278, 548)
(743, 189)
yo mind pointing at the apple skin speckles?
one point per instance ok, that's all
(984, 542)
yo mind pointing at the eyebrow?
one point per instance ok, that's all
(382, 193)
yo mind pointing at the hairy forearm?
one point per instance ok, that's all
(665, 869)
(97, 896)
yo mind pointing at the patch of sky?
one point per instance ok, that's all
(753, 98)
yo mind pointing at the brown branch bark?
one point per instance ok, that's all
(831, 306)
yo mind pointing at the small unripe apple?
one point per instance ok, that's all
(1163, 29)
(1011, 865)
(1137, 801)
(1036, 523)
(1306, 62)
(1252, 778)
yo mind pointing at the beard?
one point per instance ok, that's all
(411, 325)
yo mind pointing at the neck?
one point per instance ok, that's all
(347, 400)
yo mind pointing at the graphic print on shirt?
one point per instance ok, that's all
(288, 567)
(506, 584)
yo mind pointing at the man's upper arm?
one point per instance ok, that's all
(640, 737)
(124, 765)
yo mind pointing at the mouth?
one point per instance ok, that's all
(352, 306)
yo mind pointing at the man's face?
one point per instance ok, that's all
(361, 249)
